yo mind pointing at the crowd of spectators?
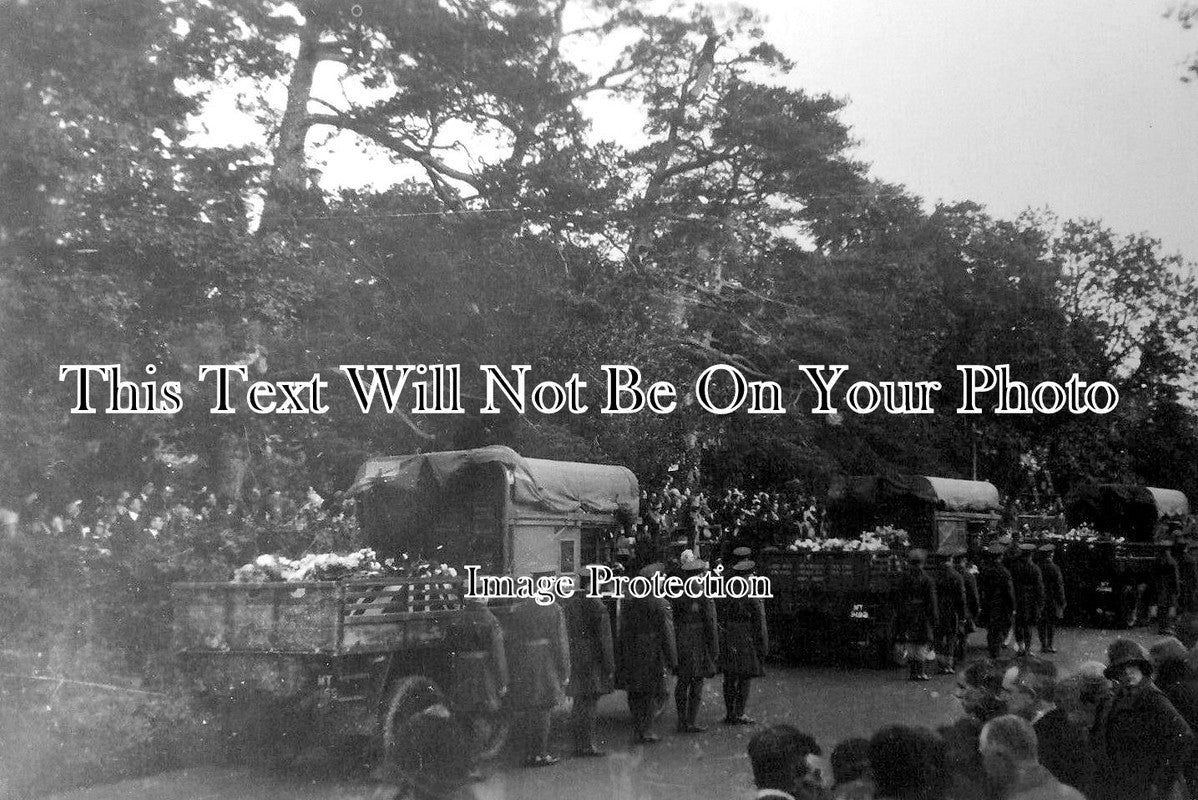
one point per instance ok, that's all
(130, 516)
(1123, 730)
(673, 512)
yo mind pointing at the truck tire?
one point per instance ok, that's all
(410, 696)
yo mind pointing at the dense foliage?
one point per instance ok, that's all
(740, 229)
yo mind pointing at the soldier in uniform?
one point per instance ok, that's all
(647, 650)
(1167, 582)
(915, 600)
(997, 592)
(744, 643)
(952, 609)
(1029, 597)
(592, 663)
(539, 667)
(698, 650)
(1054, 597)
(1187, 570)
(973, 603)
(478, 670)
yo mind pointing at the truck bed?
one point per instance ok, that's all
(315, 617)
(800, 579)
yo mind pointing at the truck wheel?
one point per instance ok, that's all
(410, 696)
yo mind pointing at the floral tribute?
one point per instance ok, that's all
(363, 563)
(881, 539)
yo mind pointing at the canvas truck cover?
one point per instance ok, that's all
(944, 494)
(1124, 509)
(449, 504)
(554, 486)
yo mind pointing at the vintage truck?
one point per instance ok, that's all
(1109, 582)
(839, 604)
(351, 661)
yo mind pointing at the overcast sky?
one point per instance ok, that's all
(1072, 104)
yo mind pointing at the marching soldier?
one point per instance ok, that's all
(744, 644)
(539, 666)
(1187, 569)
(478, 670)
(997, 592)
(1167, 582)
(592, 663)
(1029, 597)
(1054, 597)
(915, 599)
(698, 650)
(952, 610)
(973, 603)
(647, 650)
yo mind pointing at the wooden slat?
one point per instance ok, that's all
(403, 616)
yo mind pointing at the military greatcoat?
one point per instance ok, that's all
(538, 655)
(1029, 592)
(952, 600)
(744, 640)
(698, 637)
(592, 661)
(915, 601)
(647, 649)
(478, 670)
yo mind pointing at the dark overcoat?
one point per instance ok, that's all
(478, 667)
(1141, 744)
(1187, 571)
(538, 655)
(647, 650)
(1166, 578)
(592, 660)
(951, 599)
(973, 601)
(698, 637)
(744, 639)
(1054, 589)
(1029, 592)
(915, 603)
(997, 591)
(1064, 750)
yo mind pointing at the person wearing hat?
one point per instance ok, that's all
(538, 665)
(478, 672)
(1054, 596)
(1029, 597)
(952, 609)
(697, 633)
(592, 663)
(646, 651)
(997, 592)
(1173, 676)
(918, 614)
(1166, 582)
(744, 644)
(1141, 743)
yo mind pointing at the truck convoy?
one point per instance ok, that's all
(353, 660)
